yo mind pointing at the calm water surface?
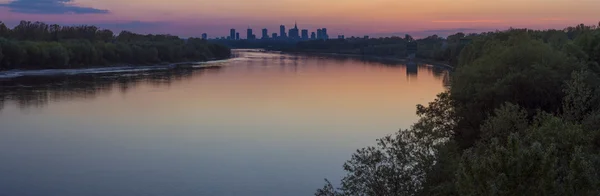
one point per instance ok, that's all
(261, 124)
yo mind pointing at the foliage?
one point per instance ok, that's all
(33, 45)
(522, 117)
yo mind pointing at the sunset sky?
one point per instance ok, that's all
(348, 17)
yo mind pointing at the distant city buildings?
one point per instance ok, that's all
(265, 34)
(282, 31)
(249, 34)
(232, 34)
(304, 34)
(293, 34)
(204, 36)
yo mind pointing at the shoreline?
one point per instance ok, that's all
(123, 68)
(431, 62)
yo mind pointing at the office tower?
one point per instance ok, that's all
(274, 36)
(319, 34)
(204, 36)
(282, 31)
(237, 36)
(295, 32)
(305, 34)
(232, 34)
(265, 34)
(325, 36)
(249, 34)
(313, 35)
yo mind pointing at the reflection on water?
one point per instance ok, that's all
(39, 91)
(261, 124)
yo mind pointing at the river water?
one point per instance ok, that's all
(258, 124)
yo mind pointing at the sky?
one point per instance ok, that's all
(191, 18)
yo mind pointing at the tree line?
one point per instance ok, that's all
(522, 117)
(433, 47)
(35, 45)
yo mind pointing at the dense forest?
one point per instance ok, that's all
(522, 117)
(432, 47)
(35, 45)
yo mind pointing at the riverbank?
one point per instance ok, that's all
(384, 58)
(8, 74)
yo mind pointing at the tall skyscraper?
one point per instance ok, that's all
(282, 31)
(204, 36)
(237, 36)
(265, 34)
(325, 36)
(319, 34)
(232, 34)
(295, 32)
(313, 35)
(274, 36)
(249, 34)
(305, 34)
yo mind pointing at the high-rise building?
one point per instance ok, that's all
(237, 36)
(249, 34)
(319, 34)
(265, 34)
(282, 31)
(325, 36)
(204, 36)
(295, 32)
(274, 36)
(313, 35)
(305, 34)
(232, 34)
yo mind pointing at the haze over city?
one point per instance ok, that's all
(349, 17)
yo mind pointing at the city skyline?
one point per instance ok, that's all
(294, 33)
(191, 18)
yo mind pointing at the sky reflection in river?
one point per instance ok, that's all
(262, 124)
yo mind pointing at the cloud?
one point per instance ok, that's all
(50, 7)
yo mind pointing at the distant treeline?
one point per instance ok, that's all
(432, 47)
(521, 117)
(36, 45)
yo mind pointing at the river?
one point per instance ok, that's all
(257, 124)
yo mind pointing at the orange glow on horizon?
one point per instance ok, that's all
(352, 17)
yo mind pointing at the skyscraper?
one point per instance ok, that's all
(313, 35)
(232, 34)
(249, 34)
(282, 31)
(265, 34)
(319, 34)
(325, 36)
(295, 32)
(204, 36)
(237, 36)
(274, 36)
(305, 34)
